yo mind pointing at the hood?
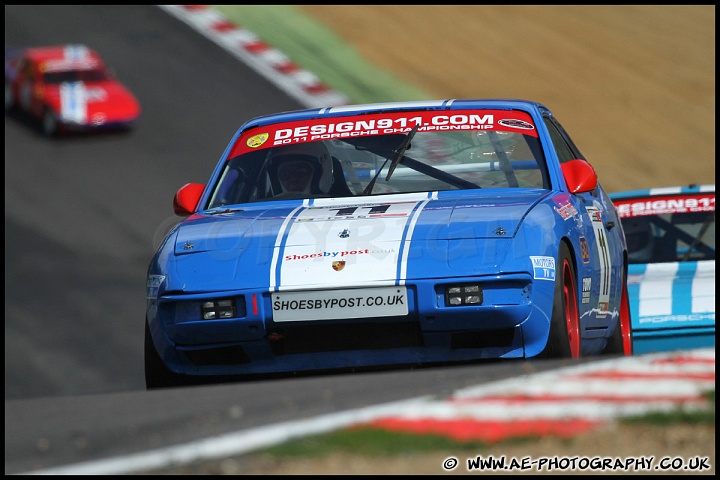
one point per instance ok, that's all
(92, 103)
(342, 243)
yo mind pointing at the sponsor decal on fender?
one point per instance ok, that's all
(586, 287)
(584, 249)
(543, 268)
(564, 207)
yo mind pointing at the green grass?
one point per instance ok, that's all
(372, 442)
(319, 50)
(679, 415)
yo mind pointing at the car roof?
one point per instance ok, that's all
(360, 109)
(64, 57)
(664, 191)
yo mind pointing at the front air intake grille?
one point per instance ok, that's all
(332, 338)
(482, 339)
(232, 355)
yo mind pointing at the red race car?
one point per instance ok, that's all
(68, 88)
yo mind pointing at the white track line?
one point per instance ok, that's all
(303, 86)
(568, 380)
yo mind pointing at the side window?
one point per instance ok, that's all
(564, 151)
(565, 147)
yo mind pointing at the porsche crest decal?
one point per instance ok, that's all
(338, 265)
(256, 140)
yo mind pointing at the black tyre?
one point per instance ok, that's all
(564, 337)
(157, 375)
(49, 123)
(10, 103)
(620, 342)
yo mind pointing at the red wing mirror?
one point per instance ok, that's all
(186, 199)
(579, 175)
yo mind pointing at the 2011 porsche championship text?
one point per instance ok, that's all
(383, 124)
(400, 123)
(388, 125)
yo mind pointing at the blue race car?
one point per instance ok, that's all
(396, 234)
(670, 234)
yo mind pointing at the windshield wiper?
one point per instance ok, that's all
(222, 210)
(400, 151)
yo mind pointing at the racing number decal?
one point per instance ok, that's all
(355, 211)
(605, 263)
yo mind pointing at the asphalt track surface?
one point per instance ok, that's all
(83, 216)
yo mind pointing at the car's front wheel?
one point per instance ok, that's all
(49, 123)
(564, 337)
(157, 375)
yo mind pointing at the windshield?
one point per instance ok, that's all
(430, 161)
(675, 238)
(667, 229)
(88, 76)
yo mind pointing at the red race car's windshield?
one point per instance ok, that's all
(87, 76)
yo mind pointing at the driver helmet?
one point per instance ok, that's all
(290, 163)
(639, 238)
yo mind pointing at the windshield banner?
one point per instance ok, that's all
(312, 130)
(663, 205)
